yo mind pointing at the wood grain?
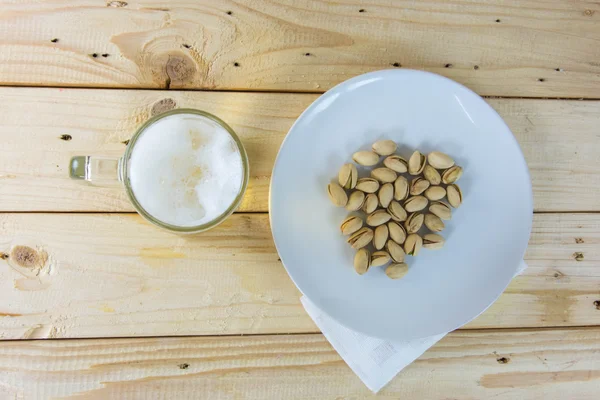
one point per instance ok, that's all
(111, 275)
(560, 141)
(515, 364)
(536, 48)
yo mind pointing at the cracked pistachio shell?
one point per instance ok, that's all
(440, 160)
(416, 163)
(395, 251)
(396, 211)
(433, 241)
(415, 203)
(418, 185)
(384, 175)
(396, 163)
(380, 258)
(362, 261)
(396, 270)
(380, 236)
(384, 147)
(351, 225)
(378, 217)
(401, 188)
(413, 244)
(360, 238)
(434, 223)
(365, 158)
(337, 195)
(386, 194)
(370, 204)
(454, 195)
(367, 185)
(432, 175)
(397, 232)
(348, 176)
(452, 174)
(355, 201)
(435, 193)
(414, 223)
(440, 209)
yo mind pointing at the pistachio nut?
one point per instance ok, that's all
(355, 201)
(434, 223)
(380, 236)
(401, 188)
(415, 203)
(397, 232)
(348, 176)
(362, 261)
(413, 244)
(384, 175)
(418, 185)
(396, 211)
(380, 258)
(361, 238)
(395, 251)
(433, 241)
(416, 163)
(454, 195)
(386, 194)
(378, 217)
(337, 195)
(439, 160)
(365, 158)
(440, 209)
(370, 203)
(396, 163)
(351, 225)
(435, 193)
(452, 174)
(367, 185)
(396, 270)
(384, 147)
(414, 222)
(432, 175)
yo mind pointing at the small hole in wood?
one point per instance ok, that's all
(125, 142)
(3, 256)
(361, 10)
(503, 360)
(396, 64)
(498, 20)
(541, 80)
(596, 303)
(236, 64)
(307, 54)
(187, 46)
(476, 67)
(66, 137)
(229, 12)
(448, 66)
(105, 55)
(55, 40)
(95, 55)
(184, 366)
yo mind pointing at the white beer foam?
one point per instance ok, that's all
(185, 170)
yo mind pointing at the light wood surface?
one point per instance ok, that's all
(548, 364)
(110, 275)
(559, 140)
(534, 48)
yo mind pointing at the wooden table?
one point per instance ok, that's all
(146, 314)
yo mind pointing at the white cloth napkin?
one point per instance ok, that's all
(375, 361)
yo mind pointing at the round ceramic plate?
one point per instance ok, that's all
(485, 239)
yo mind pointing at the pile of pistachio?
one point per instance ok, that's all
(394, 208)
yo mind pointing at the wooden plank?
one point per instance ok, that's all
(517, 364)
(559, 140)
(536, 48)
(113, 275)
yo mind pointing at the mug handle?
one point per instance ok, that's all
(98, 171)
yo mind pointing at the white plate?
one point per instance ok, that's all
(485, 240)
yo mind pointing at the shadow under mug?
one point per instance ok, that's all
(103, 171)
